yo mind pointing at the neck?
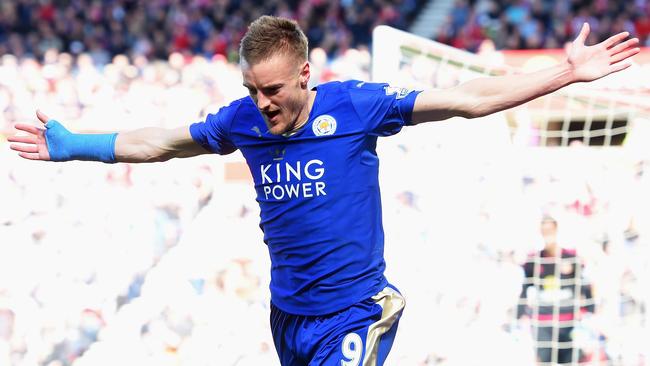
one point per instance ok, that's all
(552, 250)
(303, 117)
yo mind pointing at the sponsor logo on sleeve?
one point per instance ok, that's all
(398, 92)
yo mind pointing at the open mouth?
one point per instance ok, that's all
(271, 115)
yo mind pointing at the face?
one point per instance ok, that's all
(549, 232)
(279, 88)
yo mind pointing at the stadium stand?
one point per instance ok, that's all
(157, 28)
(535, 24)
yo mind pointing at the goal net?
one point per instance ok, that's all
(530, 236)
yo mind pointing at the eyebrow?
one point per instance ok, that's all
(271, 86)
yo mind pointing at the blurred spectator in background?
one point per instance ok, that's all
(535, 24)
(554, 297)
(155, 29)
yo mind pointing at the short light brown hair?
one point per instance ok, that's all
(549, 219)
(270, 35)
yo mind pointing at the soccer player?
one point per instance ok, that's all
(312, 156)
(562, 297)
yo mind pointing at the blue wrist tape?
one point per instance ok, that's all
(64, 145)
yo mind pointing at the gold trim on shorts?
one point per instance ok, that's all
(392, 304)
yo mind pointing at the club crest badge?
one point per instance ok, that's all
(324, 125)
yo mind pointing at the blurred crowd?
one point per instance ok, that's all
(128, 264)
(128, 93)
(164, 264)
(456, 244)
(535, 24)
(155, 29)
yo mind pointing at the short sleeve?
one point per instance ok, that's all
(384, 109)
(214, 133)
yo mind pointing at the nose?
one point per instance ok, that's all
(262, 101)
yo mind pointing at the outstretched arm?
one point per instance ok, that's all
(485, 96)
(154, 144)
(50, 141)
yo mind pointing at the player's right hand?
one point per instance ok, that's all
(33, 146)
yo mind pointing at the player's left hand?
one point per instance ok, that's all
(593, 62)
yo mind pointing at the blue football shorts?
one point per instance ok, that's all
(360, 335)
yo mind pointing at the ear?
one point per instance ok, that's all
(305, 73)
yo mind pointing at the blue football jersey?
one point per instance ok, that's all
(318, 190)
